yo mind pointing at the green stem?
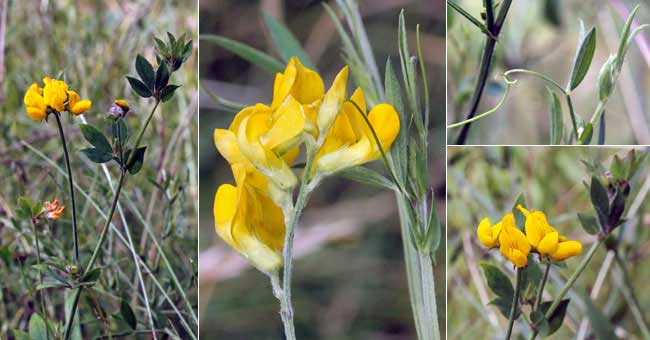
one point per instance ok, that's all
(278, 292)
(630, 295)
(40, 279)
(540, 290)
(429, 293)
(515, 302)
(573, 116)
(111, 212)
(581, 267)
(71, 187)
(484, 69)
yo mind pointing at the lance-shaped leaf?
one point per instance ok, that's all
(583, 59)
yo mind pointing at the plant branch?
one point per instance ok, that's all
(515, 302)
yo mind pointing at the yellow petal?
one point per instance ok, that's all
(535, 227)
(567, 249)
(308, 86)
(333, 101)
(81, 107)
(549, 244)
(73, 98)
(288, 123)
(385, 120)
(284, 83)
(55, 93)
(345, 157)
(34, 103)
(485, 234)
(224, 209)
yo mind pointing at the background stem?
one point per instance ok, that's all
(40, 278)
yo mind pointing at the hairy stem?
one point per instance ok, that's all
(515, 302)
(278, 292)
(75, 235)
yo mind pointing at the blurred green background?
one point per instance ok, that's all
(349, 277)
(485, 182)
(543, 36)
(94, 43)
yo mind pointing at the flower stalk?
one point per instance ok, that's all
(40, 277)
(515, 302)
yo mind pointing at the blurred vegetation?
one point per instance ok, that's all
(485, 182)
(349, 278)
(94, 44)
(542, 36)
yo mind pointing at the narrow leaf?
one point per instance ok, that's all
(589, 223)
(285, 42)
(97, 156)
(250, 54)
(135, 163)
(139, 87)
(168, 92)
(557, 125)
(127, 314)
(162, 77)
(599, 200)
(145, 71)
(583, 59)
(368, 176)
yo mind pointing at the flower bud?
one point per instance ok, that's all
(606, 78)
(332, 102)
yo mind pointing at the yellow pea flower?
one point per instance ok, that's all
(545, 239)
(77, 106)
(249, 221)
(350, 142)
(53, 96)
(512, 242)
(487, 234)
(332, 102)
(34, 103)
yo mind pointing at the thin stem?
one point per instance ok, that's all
(71, 187)
(632, 298)
(40, 278)
(111, 212)
(573, 278)
(515, 302)
(466, 122)
(484, 69)
(278, 292)
(573, 116)
(540, 290)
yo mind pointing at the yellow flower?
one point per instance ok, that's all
(247, 219)
(350, 142)
(77, 106)
(545, 239)
(34, 103)
(53, 96)
(488, 235)
(332, 102)
(512, 242)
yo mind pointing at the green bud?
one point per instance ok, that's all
(606, 78)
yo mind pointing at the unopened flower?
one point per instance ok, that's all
(119, 108)
(52, 211)
(53, 96)
(350, 141)
(332, 102)
(488, 234)
(545, 239)
(249, 221)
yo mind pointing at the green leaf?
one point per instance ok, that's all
(520, 218)
(121, 130)
(531, 275)
(252, 55)
(162, 77)
(145, 71)
(135, 163)
(434, 229)
(599, 200)
(97, 156)
(368, 176)
(601, 325)
(616, 211)
(583, 59)
(589, 223)
(37, 327)
(25, 208)
(20, 335)
(619, 169)
(168, 92)
(96, 138)
(128, 315)
(540, 322)
(557, 318)
(398, 151)
(504, 305)
(285, 42)
(557, 125)
(139, 87)
(623, 42)
(587, 133)
(498, 281)
(93, 275)
(76, 328)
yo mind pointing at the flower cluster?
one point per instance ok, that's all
(540, 237)
(54, 96)
(52, 210)
(263, 142)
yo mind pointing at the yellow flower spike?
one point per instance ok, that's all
(513, 244)
(332, 101)
(305, 85)
(55, 93)
(350, 141)
(77, 106)
(34, 103)
(487, 234)
(567, 249)
(247, 220)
